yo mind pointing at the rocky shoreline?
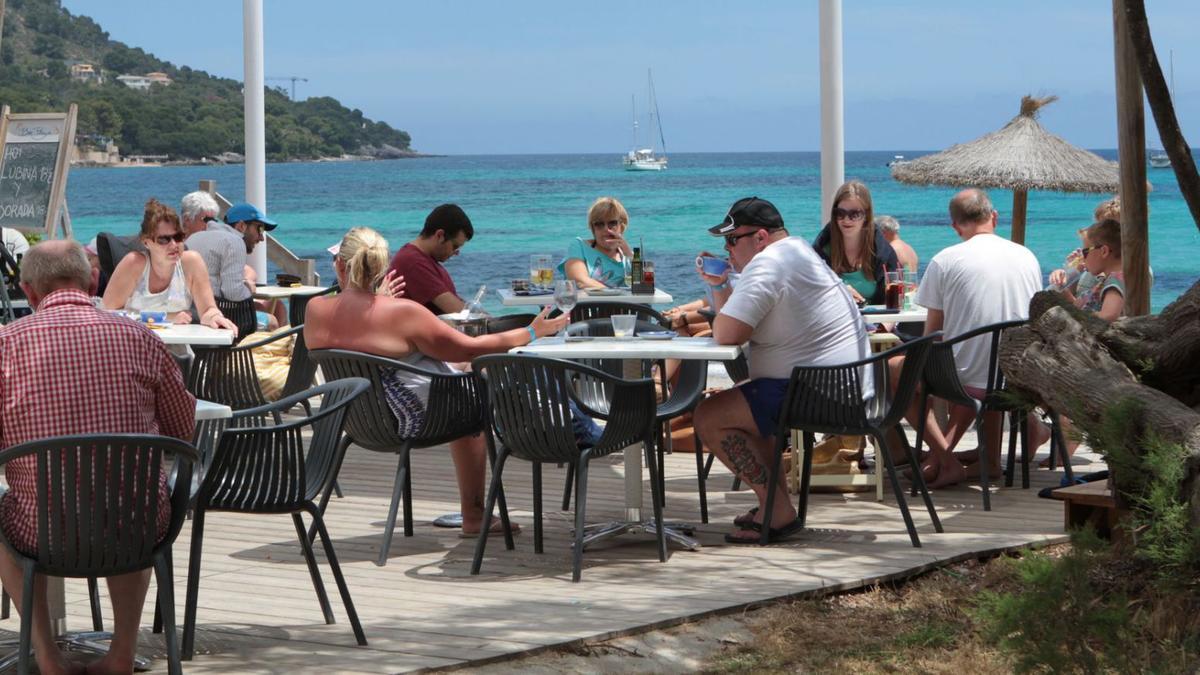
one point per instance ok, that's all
(366, 153)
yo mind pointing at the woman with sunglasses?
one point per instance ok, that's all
(600, 262)
(169, 279)
(852, 246)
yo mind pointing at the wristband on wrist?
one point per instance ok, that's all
(719, 287)
(532, 334)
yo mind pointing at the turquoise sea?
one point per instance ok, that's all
(523, 204)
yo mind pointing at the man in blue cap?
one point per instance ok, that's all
(225, 247)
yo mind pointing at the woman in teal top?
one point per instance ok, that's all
(853, 248)
(600, 262)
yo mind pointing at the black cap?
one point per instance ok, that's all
(749, 211)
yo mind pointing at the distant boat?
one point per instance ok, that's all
(644, 159)
(1159, 158)
(897, 159)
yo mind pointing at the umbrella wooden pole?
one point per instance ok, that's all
(1020, 203)
(1131, 151)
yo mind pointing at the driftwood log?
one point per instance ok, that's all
(1071, 361)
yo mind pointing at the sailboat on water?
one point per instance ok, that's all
(1158, 158)
(644, 159)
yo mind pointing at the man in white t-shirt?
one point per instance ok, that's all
(984, 280)
(792, 310)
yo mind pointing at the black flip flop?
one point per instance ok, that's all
(777, 534)
(746, 519)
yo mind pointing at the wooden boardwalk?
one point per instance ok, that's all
(424, 610)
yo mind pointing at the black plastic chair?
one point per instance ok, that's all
(456, 409)
(298, 304)
(829, 399)
(10, 276)
(111, 249)
(107, 522)
(268, 469)
(529, 417)
(241, 313)
(499, 324)
(941, 380)
(226, 375)
(602, 310)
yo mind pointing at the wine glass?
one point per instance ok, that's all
(566, 294)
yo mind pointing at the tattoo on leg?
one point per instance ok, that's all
(743, 459)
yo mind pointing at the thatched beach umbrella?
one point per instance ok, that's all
(1020, 157)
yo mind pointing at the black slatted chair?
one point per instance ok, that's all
(596, 393)
(241, 313)
(829, 399)
(111, 249)
(941, 380)
(226, 375)
(297, 304)
(107, 522)
(10, 276)
(529, 417)
(456, 409)
(499, 324)
(602, 310)
(268, 469)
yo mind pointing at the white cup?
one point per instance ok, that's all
(623, 325)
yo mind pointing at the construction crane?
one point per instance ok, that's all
(293, 79)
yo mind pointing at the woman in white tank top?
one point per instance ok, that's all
(169, 279)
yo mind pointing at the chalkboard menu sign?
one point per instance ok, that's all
(33, 167)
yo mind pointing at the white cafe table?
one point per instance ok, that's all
(194, 334)
(510, 299)
(916, 314)
(633, 350)
(278, 292)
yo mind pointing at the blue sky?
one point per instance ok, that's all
(466, 77)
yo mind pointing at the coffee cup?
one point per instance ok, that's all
(712, 266)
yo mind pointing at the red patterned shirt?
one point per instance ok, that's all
(73, 369)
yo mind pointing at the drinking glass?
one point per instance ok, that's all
(910, 288)
(535, 272)
(623, 325)
(566, 294)
(648, 272)
(894, 291)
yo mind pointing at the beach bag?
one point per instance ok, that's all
(271, 362)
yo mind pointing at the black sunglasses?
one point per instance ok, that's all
(731, 240)
(164, 239)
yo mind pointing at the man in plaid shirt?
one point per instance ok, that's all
(73, 369)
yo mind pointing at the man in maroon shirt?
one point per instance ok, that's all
(447, 229)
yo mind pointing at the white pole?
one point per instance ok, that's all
(833, 145)
(255, 114)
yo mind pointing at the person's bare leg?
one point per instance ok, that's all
(940, 455)
(726, 426)
(470, 472)
(45, 650)
(993, 435)
(128, 594)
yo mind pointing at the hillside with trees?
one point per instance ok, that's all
(197, 115)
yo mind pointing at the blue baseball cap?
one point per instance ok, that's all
(242, 212)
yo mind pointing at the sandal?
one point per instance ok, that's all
(745, 520)
(777, 534)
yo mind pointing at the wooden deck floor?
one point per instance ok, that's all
(258, 612)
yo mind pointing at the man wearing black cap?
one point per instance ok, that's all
(792, 310)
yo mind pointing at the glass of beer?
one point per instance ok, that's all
(541, 274)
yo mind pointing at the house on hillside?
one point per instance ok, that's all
(85, 72)
(139, 82)
(158, 78)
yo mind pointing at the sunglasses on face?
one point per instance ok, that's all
(853, 215)
(731, 240)
(165, 239)
(610, 224)
(1083, 252)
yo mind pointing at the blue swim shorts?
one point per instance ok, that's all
(765, 398)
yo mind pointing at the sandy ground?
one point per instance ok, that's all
(686, 648)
